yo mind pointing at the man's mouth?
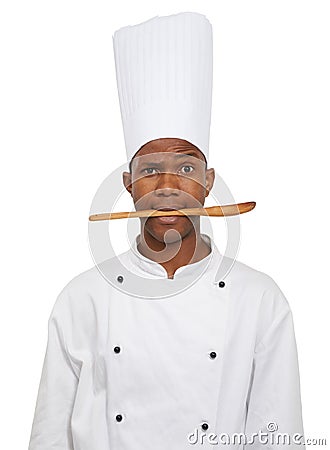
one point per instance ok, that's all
(167, 209)
(168, 220)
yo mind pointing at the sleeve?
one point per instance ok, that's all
(274, 402)
(57, 388)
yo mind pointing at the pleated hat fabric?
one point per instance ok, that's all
(164, 70)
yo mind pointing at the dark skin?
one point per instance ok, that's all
(170, 173)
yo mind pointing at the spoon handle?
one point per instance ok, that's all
(213, 211)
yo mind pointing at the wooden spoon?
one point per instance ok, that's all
(216, 211)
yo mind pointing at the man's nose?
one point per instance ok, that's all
(167, 184)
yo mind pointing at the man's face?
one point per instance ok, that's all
(168, 173)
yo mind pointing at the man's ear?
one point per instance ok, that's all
(209, 175)
(127, 180)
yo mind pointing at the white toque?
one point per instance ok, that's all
(164, 69)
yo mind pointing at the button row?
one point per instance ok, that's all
(120, 279)
(204, 425)
(212, 355)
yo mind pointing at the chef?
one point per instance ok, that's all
(156, 349)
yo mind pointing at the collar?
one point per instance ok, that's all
(148, 268)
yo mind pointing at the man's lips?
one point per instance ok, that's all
(168, 208)
(169, 220)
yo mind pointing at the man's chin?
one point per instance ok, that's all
(167, 233)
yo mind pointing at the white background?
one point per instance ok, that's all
(61, 135)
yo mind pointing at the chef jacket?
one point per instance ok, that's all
(185, 371)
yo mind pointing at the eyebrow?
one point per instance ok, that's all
(178, 155)
(186, 154)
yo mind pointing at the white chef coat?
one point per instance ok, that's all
(128, 373)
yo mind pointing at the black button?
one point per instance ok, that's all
(116, 349)
(213, 355)
(221, 284)
(119, 417)
(120, 278)
(205, 426)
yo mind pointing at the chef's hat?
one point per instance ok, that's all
(164, 78)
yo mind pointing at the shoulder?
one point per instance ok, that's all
(254, 279)
(85, 289)
(257, 293)
(258, 288)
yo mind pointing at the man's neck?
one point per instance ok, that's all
(192, 248)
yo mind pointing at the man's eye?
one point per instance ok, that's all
(149, 170)
(187, 169)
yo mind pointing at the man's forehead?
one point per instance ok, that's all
(166, 149)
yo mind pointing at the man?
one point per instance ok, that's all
(204, 354)
(159, 169)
